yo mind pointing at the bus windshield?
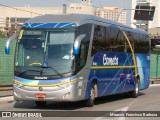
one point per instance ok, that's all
(44, 52)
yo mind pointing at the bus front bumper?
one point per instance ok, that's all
(51, 93)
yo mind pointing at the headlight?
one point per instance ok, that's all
(67, 85)
(18, 84)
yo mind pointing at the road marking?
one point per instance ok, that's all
(132, 102)
(125, 109)
(154, 85)
(10, 98)
(113, 118)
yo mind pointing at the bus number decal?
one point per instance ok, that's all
(94, 63)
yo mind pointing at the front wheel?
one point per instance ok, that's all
(93, 95)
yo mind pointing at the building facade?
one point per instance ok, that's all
(133, 22)
(156, 21)
(84, 7)
(20, 14)
(112, 13)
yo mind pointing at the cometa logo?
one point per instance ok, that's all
(110, 60)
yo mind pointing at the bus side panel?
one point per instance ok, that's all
(114, 81)
(114, 78)
(143, 67)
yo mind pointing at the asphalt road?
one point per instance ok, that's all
(148, 100)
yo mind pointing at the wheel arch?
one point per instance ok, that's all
(137, 77)
(93, 80)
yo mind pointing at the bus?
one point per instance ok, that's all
(76, 57)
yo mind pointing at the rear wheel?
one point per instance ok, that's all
(93, 95)
(40, 103)
(135, 93)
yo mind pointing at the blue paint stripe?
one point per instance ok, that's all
(49, 25)
(124, 86)
(56, 25)
(44, 82)
(39, 25)
(66, 25)
(112, 81)
(115, 76)
(120, 85)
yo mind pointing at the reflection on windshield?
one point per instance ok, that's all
(45, 48)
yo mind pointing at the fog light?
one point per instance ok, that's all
(66, 95)
(17, 95)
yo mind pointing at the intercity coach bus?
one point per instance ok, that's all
(77, 57)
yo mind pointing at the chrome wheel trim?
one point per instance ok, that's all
(92, 94)
(137, 88)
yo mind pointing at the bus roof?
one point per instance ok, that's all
(80, 19)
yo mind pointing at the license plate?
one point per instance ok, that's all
(40, 95)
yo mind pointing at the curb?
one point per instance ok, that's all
(154, 80)
(153, 85)
(6, 88)
(6, 99)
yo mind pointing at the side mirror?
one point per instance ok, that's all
(7, 48)
(78, 43)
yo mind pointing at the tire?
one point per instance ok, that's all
(92, 96)
(135, 93)
(40, 103)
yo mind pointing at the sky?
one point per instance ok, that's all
(125, 4)
(59, 3)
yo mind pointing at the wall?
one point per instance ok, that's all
(6, 63)
(154, 65)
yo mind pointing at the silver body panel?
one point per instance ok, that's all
(67, 92)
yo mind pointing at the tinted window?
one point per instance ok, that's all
(84, 29)
(111, 38)
(99, 39)
(140, 42)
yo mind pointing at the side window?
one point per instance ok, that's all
(141, 43)
(120, 42)
(99, 39)
(132, 40)
(84, 29)
(117, 40)
(114, 34)
(111, 38)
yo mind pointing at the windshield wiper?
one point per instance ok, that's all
(49, 67)
(53, 69)
(41, 71)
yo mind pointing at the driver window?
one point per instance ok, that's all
(84, 29)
